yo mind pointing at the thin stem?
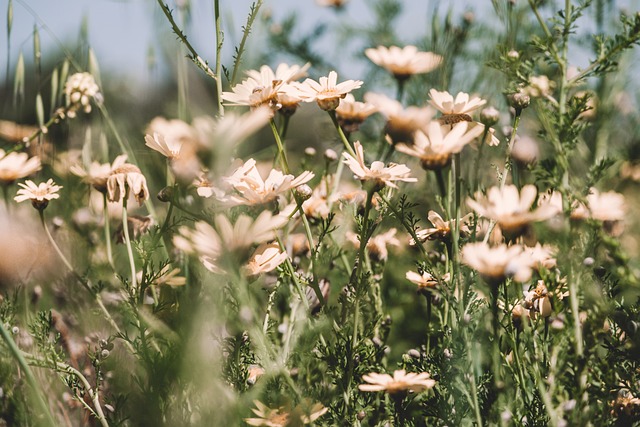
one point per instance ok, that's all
(127, 241)
(343, 137)
(17, 355)
(200, 63)
(64, 368)
(82, 281)
(507, 166)
(476, 168)
(255, 7)
(107, 231)
(282, 155)
(219, 42)
(55, 245)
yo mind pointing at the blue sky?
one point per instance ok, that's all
(122, 31)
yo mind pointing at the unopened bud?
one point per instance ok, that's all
(165, 194)
(304, 191)
(513, 54)
(330, 155)
(489, 116)
(310, 151)
(519, 100)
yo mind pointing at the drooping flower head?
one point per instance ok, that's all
(127, 179)
(98, 173)
(39, 194)
(266, 258)
(403, 62)
(14, 166)
(378, 174)
(327, 92)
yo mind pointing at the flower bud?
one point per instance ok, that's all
(165, 194)
(310, 151)
(304, 191)
(489, 116)
(330, 155)
(519, 101)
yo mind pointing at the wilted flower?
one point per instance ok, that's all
(402, 122)
(437, 143)
(138, 225)
(127, 179)
(14, 166)
(510, 209)
(98, 173)
(400, 382)
(352, 113)
(40, 194)
(265, 258)
(403, 62)
(303, 414)
(454, 109)
(253, 190)
(378, 174)
(442, 229)
(497, 263)
(327, 92)
(79, 90)
(538, 301)
(377, 245)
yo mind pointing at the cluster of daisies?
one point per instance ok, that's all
(271, 202)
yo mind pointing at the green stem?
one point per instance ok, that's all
(107, 231)
(93, 394)
(17, 355)
(282, 155)
(343, 138)
(219, 42)
(255, 7)
(127, 241)
(200, 63)
(476, 169)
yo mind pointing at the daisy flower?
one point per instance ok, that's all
(253, 190)
(377, 246)
(352, 113)
(14, 166)
(327, 92)
(403, 62)
(424, 280)
(441, 229)
(455, 109)
(254, 94)
(497, 263)
(39, 194)
(377, 174)
(609, 206)
(437, 143)
(402, 123)
(512, 209)
(97, 174)
(302, 414)
(401, 381)
(265, 258)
